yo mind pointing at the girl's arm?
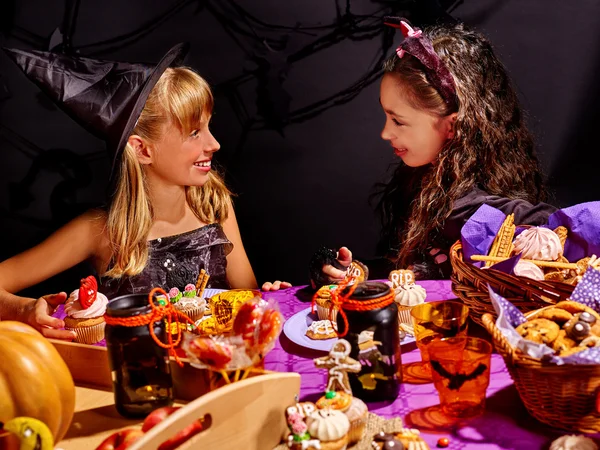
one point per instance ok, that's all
(79, 240)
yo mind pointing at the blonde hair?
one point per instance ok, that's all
(183, 98)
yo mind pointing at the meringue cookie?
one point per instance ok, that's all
(538, 243)
(409, 294)
(529, 270)
(573, 442)
(328, 425)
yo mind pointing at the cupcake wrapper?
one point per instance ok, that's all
(323, 313)
(194, 313)
(357, 429)
(404, 315)
(89, 335)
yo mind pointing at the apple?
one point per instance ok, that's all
(158, 415)
(121, 440)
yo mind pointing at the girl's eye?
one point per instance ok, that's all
(194, 133)
(397, 123)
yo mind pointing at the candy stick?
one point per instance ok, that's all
(502, 245)
(553, 264)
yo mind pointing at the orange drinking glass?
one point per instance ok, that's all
(433, 320)
(460, 369)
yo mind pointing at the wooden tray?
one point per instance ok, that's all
(89, 367)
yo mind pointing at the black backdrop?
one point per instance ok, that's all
(297, 110)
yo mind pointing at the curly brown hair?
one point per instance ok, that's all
(491, 147)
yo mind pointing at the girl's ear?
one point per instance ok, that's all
(143, 152)
(450, 122)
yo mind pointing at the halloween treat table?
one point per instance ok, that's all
(505, 424)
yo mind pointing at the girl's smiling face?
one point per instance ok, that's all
(185, 160)
(416, 135)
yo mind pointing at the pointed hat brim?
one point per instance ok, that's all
(173, 58)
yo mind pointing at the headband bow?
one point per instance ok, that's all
(419, 46)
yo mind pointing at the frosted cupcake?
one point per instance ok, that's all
(406, 297)
(187, 302)
(85, 310)
(323, 302)
(330, 427)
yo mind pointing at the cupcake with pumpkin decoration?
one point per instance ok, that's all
(187, 302)
(85, 310)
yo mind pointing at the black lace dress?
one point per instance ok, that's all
(175, 261)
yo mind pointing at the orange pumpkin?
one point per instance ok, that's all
(34, 379)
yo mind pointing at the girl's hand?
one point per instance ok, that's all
(344, 258)
(275, 286)
(39, 315)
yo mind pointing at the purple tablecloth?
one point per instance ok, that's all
(505, 424)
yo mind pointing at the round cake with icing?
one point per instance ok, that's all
(330, 427)
(538, 243)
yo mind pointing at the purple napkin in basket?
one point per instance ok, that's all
(583, 223)
(586, 292)
(508, 265)
(479, 231)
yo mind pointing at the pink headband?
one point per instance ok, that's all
(419, 46)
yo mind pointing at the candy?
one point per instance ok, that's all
(213, 354)
(443, 442)
(88, 290)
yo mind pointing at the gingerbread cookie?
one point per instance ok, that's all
(543, 331)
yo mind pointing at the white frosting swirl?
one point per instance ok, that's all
(573, 443)
(410, 294)
(328, 425)
(538, 243)
(529, 270)
(186, 302)
(74, 309)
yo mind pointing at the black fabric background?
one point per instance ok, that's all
(299, 184)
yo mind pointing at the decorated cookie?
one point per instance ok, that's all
(401, 277)
(321, 329)
(357, 272)
(338, 363)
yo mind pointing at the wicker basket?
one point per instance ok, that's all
(560, 396)
(470, 284)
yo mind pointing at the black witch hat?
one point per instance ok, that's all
(104, 97)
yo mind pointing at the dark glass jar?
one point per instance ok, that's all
(140, 368)
(373, 334)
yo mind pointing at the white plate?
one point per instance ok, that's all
(295, 329)
(208, 293)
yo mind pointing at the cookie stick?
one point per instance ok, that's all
(502, 245)
(553, 264)
(200, 280)
(203, 286)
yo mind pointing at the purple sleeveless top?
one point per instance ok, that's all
(175, 261)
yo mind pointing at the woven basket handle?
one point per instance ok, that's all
(500, 342)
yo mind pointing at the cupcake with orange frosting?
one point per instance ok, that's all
(324, 303)
(85, 310)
